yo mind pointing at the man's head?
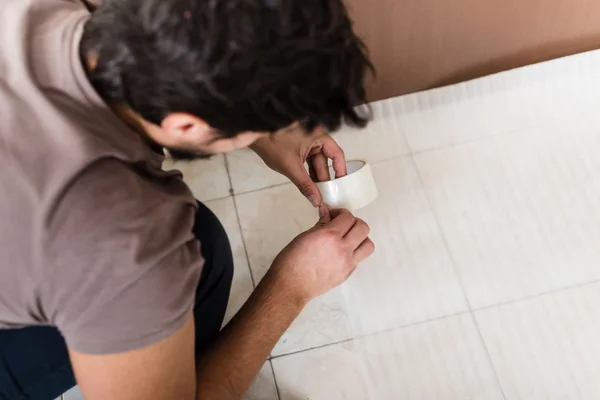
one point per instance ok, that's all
(208, 76)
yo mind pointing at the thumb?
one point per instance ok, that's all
(306, 186)
(324, 215)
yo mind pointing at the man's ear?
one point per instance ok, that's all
(182, 129)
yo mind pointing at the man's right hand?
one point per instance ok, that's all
(325, 256)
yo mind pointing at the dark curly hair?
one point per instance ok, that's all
(240, 65)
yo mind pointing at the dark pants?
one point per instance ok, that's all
(34, 363)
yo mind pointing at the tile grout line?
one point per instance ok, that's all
(263, 188)
(237, 214)
(488, 355)
(239, 222)
(536, 295)
(215, 199)
(456, 273)
(277, 391)
(226, 164)
(368, 335)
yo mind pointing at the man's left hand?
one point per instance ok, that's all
(287, 151)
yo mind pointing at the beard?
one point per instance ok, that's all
(187, 155)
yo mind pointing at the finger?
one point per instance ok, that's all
(337, 211)
(342, 222)
(333, 151)
(324, 215)
(311, 171)
(319, 163)
(358, 233)
(366, 248)
(299, 177)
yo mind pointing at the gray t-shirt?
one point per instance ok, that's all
(95, 238)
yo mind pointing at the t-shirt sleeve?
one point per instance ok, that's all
(121, 261)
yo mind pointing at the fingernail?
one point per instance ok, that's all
(321, 212)
(313, 200)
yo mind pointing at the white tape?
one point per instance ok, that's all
(353, 191)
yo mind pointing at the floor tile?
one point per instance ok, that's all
(521, 212)
(242, 286)
(546, 348)
(248, 172)
(498, 104)
(382, 139)
(410, 277)
(207, 179)
(438, 360)
(263, 387)
(73, 394)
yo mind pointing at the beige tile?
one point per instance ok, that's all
(263, 387)
(546, 348)
(73, 394)
(521, 212)
(513, 100)
(248, 172)
(409, 279)
(382, 139)
(439, 360)
(207, 179)
(241, 287)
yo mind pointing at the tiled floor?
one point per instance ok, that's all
(486, 277)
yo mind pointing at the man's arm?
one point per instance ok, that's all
(231, 365)
(315, 262)
(166, 370)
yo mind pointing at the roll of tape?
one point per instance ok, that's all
(353, 191)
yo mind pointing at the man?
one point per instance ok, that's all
(112, 273)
